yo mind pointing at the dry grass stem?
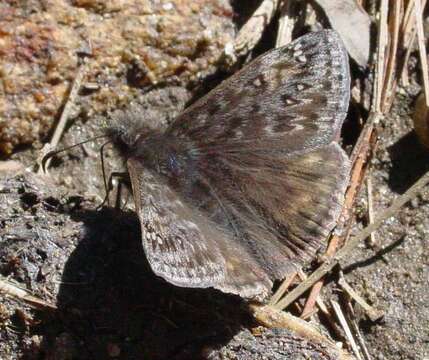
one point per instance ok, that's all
(350, 315)
(372, 239)
(346, 328)
(408, 22)
(9, 289)
(282, 289)
(422, 48)
(360, 339)
(409, 32)
(372, 313)
(52, 145)
(404, 70)
(344, 252)
(381, 52)
(390, 76)
(286, 24)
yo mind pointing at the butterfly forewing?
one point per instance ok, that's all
(291, 99)
(254, 180)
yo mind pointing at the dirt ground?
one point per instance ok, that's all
(393, 274)
(58, 244)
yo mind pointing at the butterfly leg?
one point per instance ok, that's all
(123, 178)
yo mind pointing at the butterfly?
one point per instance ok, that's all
(247, 183)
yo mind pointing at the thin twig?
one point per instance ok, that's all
(64, 117)
(282, 288)
(12, 290)
(358, 333)
(312, 299)
(372, 313)
(272, 318)
(381, 48)
(389, 80)
(344, 253)
(286, 24)
(422, 48)
(319, 300)
(370, 200)
(346, 328)
(324, 309)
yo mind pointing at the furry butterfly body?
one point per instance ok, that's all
(247, 183)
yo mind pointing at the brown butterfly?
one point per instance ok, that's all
(246, 184)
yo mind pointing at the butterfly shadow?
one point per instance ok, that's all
(409, 162)
(109, 295)
(379, 255)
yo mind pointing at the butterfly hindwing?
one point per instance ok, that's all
(170, 238)
(183, 247)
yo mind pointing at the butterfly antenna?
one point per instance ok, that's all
(52, 152)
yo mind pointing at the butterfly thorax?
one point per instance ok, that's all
(165, 155)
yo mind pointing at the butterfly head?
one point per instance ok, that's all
(126, 129)
(154, 149)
